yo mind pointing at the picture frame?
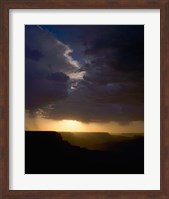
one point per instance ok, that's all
(5, 6)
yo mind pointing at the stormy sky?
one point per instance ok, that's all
(87, 73)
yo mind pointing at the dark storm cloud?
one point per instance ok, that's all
(47, 68)
(58, 77)
(32, 54)
(82, 108)
(107, 86)
(115, 66)
(119, 47)
(41, 90)
(115, 72)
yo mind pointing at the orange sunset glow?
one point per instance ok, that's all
(77, 126)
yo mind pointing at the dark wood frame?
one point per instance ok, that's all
(5, 5)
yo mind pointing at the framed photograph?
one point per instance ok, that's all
(84, 99)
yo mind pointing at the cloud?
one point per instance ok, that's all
(83, 105)
(115, 65)
(56, 55)
(108, 85)
(58, 77)
(35, 55)
(49, 68)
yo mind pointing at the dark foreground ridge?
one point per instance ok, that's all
(47, 153)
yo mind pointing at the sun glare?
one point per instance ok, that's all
(70, 125)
